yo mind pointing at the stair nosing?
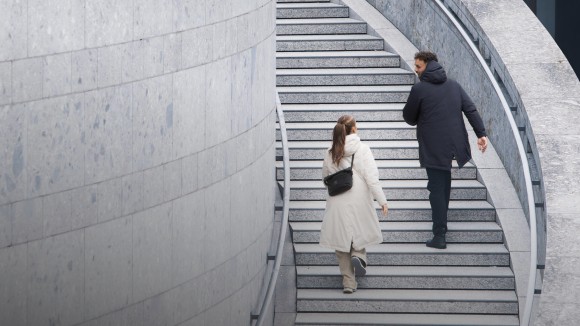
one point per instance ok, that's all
(326, 37)
(413, 248)
(422, 295)
(396, 204)
(413, 271)
(334, 54)
(340, 71)
(392, 184)
(306, 5)
(414, 226)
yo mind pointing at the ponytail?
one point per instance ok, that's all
(343, 128)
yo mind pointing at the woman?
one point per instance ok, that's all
(350, 221)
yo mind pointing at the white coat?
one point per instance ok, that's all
(351, 216)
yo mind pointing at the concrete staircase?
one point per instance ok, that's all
(328, 66)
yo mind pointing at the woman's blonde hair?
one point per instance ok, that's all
(344, 126)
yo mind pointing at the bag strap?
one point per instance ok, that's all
(352, 161)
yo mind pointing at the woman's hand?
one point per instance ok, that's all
(385, 209)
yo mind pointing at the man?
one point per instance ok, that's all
(435, 105)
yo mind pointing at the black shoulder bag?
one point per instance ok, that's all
(340, 181)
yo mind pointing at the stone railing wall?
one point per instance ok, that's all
(543, 92)
(136, 160)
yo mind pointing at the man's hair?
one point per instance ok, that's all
(426, 56)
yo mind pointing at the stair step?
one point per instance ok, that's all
(311, 10)
(344, 77)
(395, 190)
(386, 150)
(411, 277)
(340, 318)
(388, 170)
(300, 1)
(344, 94)
(335, 59)
(402, 211)
(349, 42)
(366, 130)
(408, 301)
(412, 232)
(320, 26)
(331, 112)
(411, 254)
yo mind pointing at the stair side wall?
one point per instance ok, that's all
(540, 82)
(137, 156)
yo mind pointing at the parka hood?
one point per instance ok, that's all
(351, 144)
(434, 73)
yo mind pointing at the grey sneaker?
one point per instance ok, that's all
(359, 266)
(348, 290)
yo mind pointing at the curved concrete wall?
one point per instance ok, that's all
(136, 159)
(541, 85)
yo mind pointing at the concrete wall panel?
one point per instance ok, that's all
(55, 26)
(13, 293)
(109, 262)
(55, 276)
(13, 32)
(108, 22)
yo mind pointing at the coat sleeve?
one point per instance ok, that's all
(325, 164)
(370, 173)
(411, 109)
(471, 113)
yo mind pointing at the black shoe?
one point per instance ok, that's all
(437, 242)
(359, 266)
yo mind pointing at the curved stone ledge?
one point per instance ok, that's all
(542, 88)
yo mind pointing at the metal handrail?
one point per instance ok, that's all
(523, 158)
(286, 207)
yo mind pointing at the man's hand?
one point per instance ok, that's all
(482, 143)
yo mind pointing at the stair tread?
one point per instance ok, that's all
(322, 144)
(387, 184)
(408, 226)
(401, 204)
(414, 248)
(285, 1)
(360, 125)
(402, 271)
(341, 89)
(341, 71)
(318, 107)
(308, 5)
(334, 54)
(408, 295)
(328, 37)
(317, 21)
(317, 164)
(406, 319)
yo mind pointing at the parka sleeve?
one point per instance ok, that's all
(325, 164)
(471, 113)
(370, 174)
(411, 109)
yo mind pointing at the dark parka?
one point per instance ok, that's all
(435, 105)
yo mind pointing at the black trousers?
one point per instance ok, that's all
(439, 187)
